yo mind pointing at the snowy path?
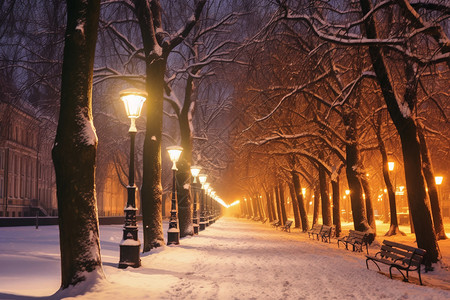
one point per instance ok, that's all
(232, 259)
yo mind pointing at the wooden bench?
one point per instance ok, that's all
(357, 239)
(275, 223)
(265, 220)
(287, 227)
(326, 233)
(398, 256)
(315, 230)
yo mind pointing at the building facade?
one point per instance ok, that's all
(27, 181)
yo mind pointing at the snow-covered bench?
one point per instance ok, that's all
(315, 230)
(326, 233)
(287, 227)
(357, 239)
(398, 256)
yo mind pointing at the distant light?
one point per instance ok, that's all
(202, 178)
(391, 165)
(310, 203)
(347, 192)
(438, 179)
(385, 191)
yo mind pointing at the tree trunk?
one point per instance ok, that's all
(432, 189)
(393, 228)
(316, 204)
(151, 191)
(282, 204)
(272, 206)
(336, 206)
(297, 223)
(369, 204)
(300, 201)
(353, 171)
(324, 196)
(278, 202)
(269, 207)
(75, 149)
(407, 129)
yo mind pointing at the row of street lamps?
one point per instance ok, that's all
(130, 245)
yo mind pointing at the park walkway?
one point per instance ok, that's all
(231, 259)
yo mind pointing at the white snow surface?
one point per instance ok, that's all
(231, 259)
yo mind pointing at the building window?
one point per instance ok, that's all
(13, 214)
(1, 161)
(19, 214)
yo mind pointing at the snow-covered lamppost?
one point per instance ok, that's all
(195, 220)
(206, 215)
(202, 179)
(173, 234)
(130, 245)
(212, 215)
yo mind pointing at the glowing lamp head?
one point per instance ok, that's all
(174, 153)
(206, 186)
(195, 170)
(438, 180)
(391, 166)
(202, 178)
(133, 100)
(304, 191)
(347, 192)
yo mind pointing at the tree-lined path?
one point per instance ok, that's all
(232, 259)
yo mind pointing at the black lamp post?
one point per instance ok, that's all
(130, 245)
(211, 207)
(173, 234)
(195, 219)
(207, 207)
(202, 179)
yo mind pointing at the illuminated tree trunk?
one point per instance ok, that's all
(75, 149)
(324, 196)
(282, 204)
(369, 204)
(297, 223)
(336, 206)
(184, 165)
(407, 129)
(316, 204)
(432, 189)
(393, 228)
(353, 170)
(300, 201)
(278, 203)
(269, 206)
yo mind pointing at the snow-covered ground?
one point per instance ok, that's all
(232, 259)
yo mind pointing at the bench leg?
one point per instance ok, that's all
(405, 279)
(367, 264)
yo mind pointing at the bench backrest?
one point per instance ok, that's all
(288, 223)
(316, 227)
(402, 253)
(327, 230)
(358, 236)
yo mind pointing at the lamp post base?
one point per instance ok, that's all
(196, 228)
(173, 236)
(129, 256)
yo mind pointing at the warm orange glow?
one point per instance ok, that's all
(347, 192)
(438, 180)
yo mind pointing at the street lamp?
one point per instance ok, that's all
(173, 234)
(195, 220)
(202, 179)
(130, 246)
